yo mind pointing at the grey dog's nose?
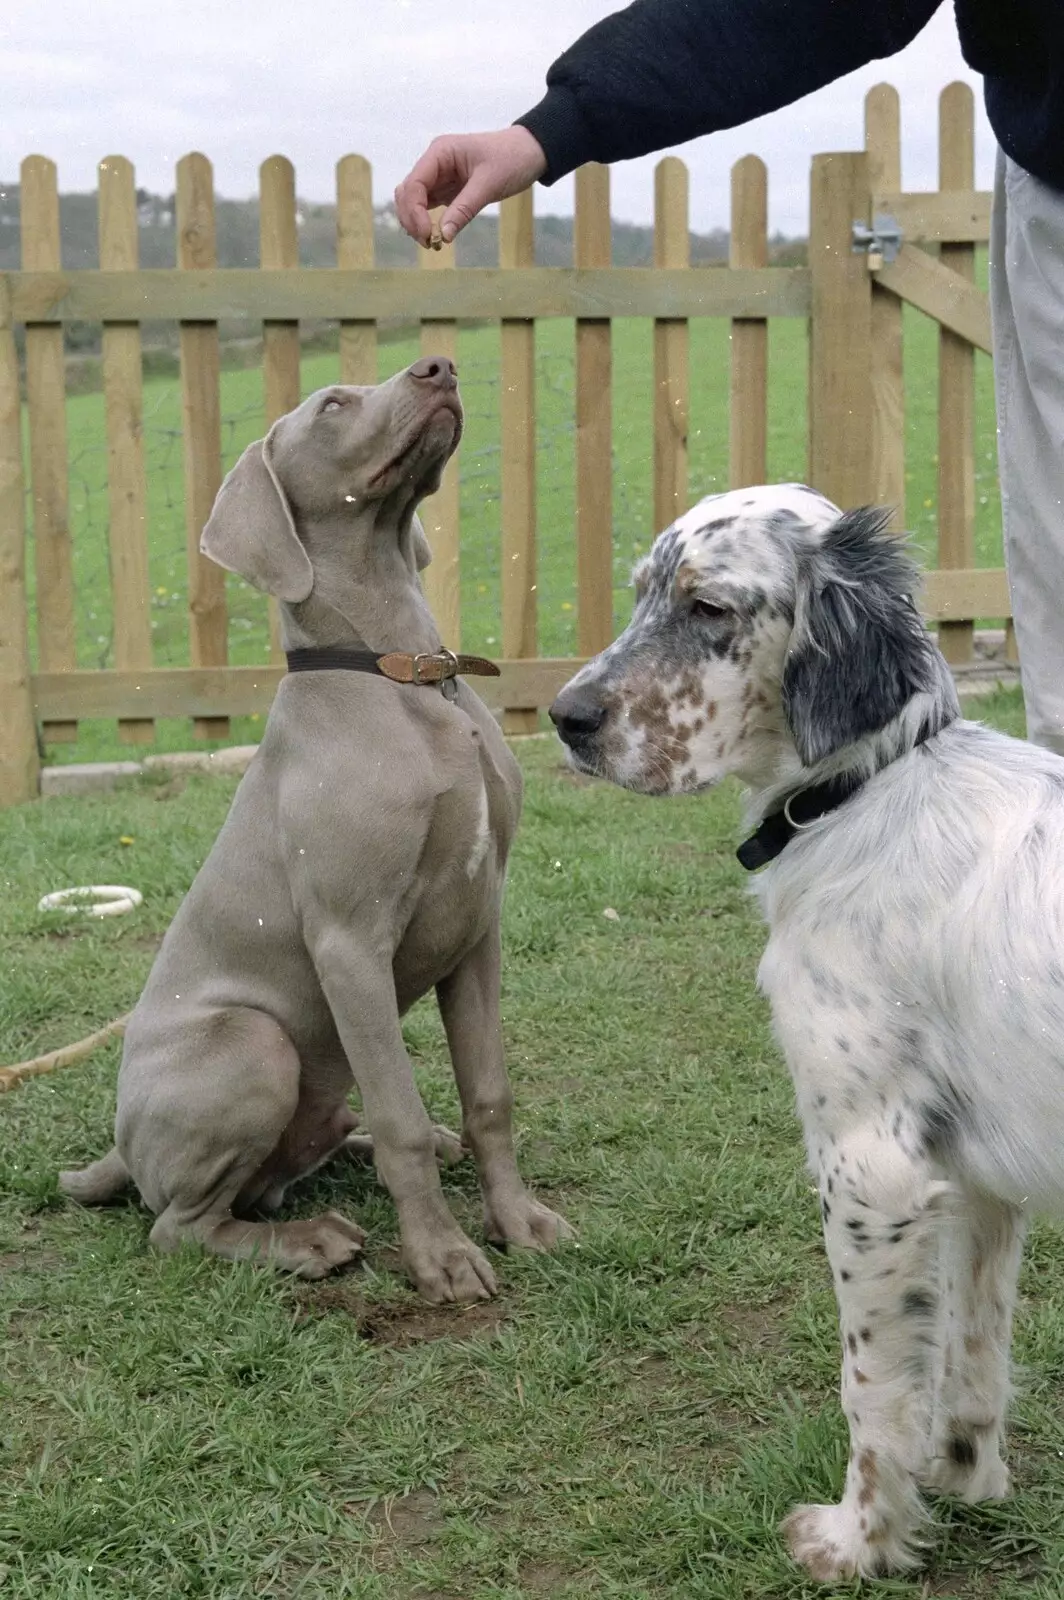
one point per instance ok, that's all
(576, 716)
(438, 371)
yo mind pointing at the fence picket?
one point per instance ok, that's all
(840, 416)
(956, 376)
(354, 248)
(517, 419)
(594, 424)
(201, 414)
(46, 410)
(672, 248)
(883, 145)
(278, 251)
(124, 408)
(748, 431)
(439, 513)
(19, 758)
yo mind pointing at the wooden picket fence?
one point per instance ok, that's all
(851, 300)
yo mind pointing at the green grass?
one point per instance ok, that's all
(630, 1418)
(242, 408)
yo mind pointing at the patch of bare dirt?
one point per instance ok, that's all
(655, 1374)
(961, 1586)
(31, 1260)
(755, 1326)
(398, 1324)
(543, 1577)
(413, 1520)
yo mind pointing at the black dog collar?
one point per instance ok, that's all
(802, 808)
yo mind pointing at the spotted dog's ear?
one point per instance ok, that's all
(859, 650)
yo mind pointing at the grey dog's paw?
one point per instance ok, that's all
(321, 1245)
(521, 1220)
(447, 1267)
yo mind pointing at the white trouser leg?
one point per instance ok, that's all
(1027, 310)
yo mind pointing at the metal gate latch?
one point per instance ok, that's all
(880, 242)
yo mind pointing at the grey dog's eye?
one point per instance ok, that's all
(709, 612)
(333, 405)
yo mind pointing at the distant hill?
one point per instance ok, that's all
(238, 236)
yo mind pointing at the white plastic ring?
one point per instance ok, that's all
(96, 900)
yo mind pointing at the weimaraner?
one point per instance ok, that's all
(361, 865)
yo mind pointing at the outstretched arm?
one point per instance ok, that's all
(656, 74)
(665, 71)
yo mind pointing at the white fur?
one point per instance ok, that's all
(483, 837)
(915, 970)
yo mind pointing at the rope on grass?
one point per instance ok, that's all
(109, 900)
(68, 1056)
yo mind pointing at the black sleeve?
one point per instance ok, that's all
(665, 71)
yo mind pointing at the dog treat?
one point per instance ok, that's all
(436, 239)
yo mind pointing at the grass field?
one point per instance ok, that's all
(629, 1419)
(242, 406)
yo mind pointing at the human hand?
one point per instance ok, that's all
(466, 172)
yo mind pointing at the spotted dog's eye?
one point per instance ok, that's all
(332, 404)
(708, 612)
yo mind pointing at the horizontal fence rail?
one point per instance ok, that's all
(851, 302)
(475, 293)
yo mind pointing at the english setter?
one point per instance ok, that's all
(913, 885)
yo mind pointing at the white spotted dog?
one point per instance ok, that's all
(913, 885)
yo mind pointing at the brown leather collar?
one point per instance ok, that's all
(427, 669)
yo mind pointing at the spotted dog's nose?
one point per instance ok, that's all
(577, 715)
(436, 371)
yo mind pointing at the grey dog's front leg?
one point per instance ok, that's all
(469, 1005)
(442, 1262)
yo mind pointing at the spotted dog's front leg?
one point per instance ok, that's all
(981, 1244)
(876, 1202)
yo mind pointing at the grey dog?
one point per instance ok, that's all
(361, 865)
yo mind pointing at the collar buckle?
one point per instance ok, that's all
(445, 668)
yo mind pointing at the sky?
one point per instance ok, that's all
(83, 79)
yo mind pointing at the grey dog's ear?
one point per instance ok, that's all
(250, 531)
(859, 651)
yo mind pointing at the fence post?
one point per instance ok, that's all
(672, 248)
(201, 416)
(748, 247)
(46, 407)
(439, 513)
(594, 424)
(840, 420)
(19, 758)
(123, 384)
(883, 144)
(278, 249)
(517, 417)
(354, 249)
(956, 375)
